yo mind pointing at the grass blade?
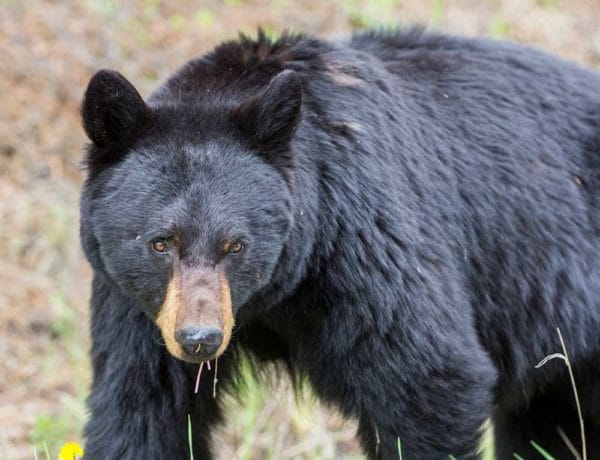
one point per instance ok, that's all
(565, 357)
(568, 443)
(541, 450)
(550, 357)
(190, 437)
(581, 426)
(47, 452)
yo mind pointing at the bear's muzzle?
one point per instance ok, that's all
(196, 318)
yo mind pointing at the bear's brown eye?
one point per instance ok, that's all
(235, 247)
(160, 245)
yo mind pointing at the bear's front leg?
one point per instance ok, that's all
(428, 390)
(430, 407)
(430, 414)
(141, 396)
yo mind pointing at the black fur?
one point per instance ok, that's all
(269, 120)
(113, 114)
(437, 218)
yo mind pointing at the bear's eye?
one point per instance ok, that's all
(234, 247)
(159, 245)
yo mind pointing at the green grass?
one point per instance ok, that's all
(372, 13)
(49, 433)
(541, 450)
(438, 12)
(190, 443)
(268, 413)
(498, 28)
(53, 430)
(205, 17)
(547, 3)
(254, 422)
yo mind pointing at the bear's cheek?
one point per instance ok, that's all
(255, 273)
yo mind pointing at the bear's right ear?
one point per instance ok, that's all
(114, 114)
(270, 119)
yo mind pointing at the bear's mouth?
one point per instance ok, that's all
(196, 317)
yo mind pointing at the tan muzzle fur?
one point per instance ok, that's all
(196, 297)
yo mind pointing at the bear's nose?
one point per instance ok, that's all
(199, 342)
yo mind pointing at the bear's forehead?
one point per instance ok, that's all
(179, 186)
(167, 167)
(170, 152)
(192, 120)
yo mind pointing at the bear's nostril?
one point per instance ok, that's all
(199, 341)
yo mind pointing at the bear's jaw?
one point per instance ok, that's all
(196, 298)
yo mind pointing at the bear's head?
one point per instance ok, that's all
(188, 200)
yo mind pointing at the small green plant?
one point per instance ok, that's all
(52, 431)
(49, 432)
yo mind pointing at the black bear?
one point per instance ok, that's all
(402, 219)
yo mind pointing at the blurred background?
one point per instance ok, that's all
(48, 51)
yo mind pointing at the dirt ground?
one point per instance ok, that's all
(48, 52)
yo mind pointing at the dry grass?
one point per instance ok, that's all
(49, 50)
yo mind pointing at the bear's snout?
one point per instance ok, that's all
(199, 342)
(196, 318)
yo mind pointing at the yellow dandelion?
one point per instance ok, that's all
(70, 451)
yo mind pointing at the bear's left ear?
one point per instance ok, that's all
(270, 119)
